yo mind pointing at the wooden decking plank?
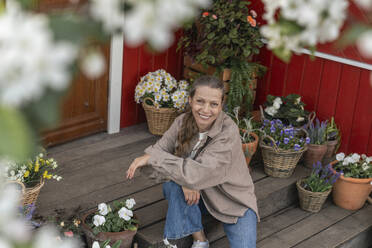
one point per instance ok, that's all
(341, 234)
(71, 154)
(278, 193)
(152, 213)
(102, 138)
(305, 228)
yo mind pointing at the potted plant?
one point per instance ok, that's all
(314, 189)
(282, 147)
(223, 40)
(317, 146)
(353, 187)
(111, 223)
(333, 136)
(162, 97)
(33, 174)
(248, 137)
(290, 110)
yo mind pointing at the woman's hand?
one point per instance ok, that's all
(191, 196)
(137, 163)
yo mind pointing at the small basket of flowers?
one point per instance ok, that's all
(162, 98)
(314, 189)
(32, 174)
(282, 147)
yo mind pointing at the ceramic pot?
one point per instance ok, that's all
(331, 149)
(126, 237)
(351, 193)
(314, 154)
(250, 148)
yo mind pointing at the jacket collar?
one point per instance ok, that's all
(217, 125)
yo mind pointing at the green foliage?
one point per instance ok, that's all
(15, 135)
(290, 109)
(107, 242)
(354, 165)
(332, 131)
(246, 126)
(321, 178)
(222, 34)
(317, 132)
(240, 93)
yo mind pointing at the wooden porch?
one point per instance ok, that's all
(93, 170)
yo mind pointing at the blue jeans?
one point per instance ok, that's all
(183, 220)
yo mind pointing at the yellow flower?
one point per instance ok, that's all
(45, 174)
(27, 173)
(37, 166)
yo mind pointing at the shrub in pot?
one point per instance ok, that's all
(314, 189)
(317, 146)
(248, 137)
(111, 223)
(333, 136)
(353, 187)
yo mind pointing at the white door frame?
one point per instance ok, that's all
(115, 83)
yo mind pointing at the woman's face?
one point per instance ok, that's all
(206, 105)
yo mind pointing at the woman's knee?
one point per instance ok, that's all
(170, 189)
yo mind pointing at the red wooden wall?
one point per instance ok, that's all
(330, 88)
(138, 61)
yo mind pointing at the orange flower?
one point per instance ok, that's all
(251, 21)
(205, 14)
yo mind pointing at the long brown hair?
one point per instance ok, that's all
(189, 128)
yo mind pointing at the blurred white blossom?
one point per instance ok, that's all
(30, 59)
(93, 65)
(366, 4)
(364, 44)
(303, 23)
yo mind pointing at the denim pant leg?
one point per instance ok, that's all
(182, 219)
(243, 234)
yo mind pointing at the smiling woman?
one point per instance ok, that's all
(201, 159)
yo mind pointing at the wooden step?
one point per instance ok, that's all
(330, 228)
(273, 194)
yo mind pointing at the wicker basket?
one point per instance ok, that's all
(311, 201)
(158, 120)
(30, 195)
(278, 162)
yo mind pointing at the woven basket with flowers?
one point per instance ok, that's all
(32, 174)
(162, 98)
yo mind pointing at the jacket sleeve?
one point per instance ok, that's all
(208, 170)
(167, 142)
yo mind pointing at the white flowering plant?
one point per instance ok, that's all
(354, 165)
(114, 219)
(290, 109)
(163, 89)
(32, 171)
(296, 24)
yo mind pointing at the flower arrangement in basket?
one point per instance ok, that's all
(314, 190)
(282, 147)
(111, 223)
(32, 174)
(161, 97)
(290, 110)
(355, 183)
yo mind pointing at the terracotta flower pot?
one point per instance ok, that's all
(314, 154)
(351, 193)
(250, 148)
(126, 237)
(331, 149)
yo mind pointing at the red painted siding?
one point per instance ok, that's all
(137, 62)
(330, 89)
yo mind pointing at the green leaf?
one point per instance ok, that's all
(15, 135)
(352, 33)
(210, 36)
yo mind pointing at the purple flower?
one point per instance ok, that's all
(277, 143)
(281, 132)
(272, 129)
(278, 122)
(266, 122)
(307, 140)
(297, 147)
(272, 122)
(286, 140)
(287, 131)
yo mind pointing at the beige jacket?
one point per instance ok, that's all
(219, 171)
